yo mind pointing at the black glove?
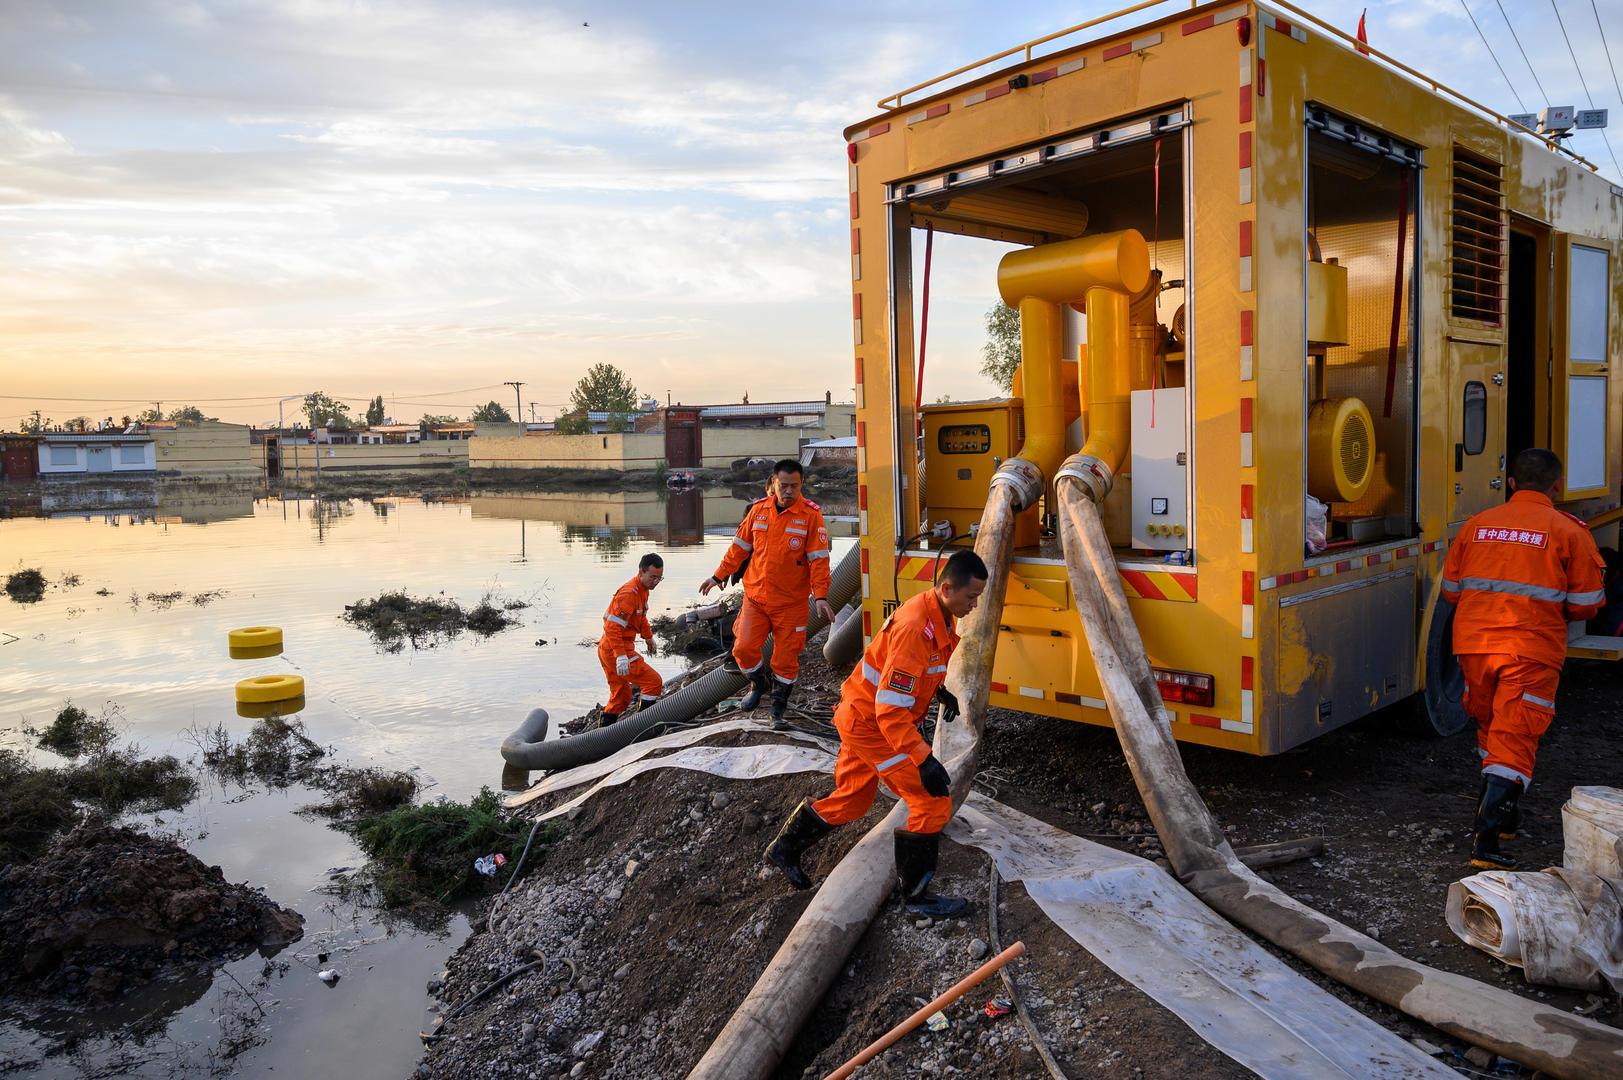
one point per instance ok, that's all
(949, 705)
(935, 777)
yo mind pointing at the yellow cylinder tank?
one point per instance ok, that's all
(1340, 449)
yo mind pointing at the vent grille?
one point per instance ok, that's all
(1477, 243)
(1355, 449)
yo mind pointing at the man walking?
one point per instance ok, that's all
(781, 551)
(630, 676)
(882, 704)
(1516, 575)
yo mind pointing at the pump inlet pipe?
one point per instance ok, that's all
(1536, 1035)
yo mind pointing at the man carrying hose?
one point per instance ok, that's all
(781, 551)
(1516, 575)
(882, 704)
(630, 676)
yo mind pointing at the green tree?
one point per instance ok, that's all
(1000, 356)
(149, 416)
(491, 413)
(574, 423)
(605, 388)
(374, 411)
(188, 412)
(324, 411)
(431, 420)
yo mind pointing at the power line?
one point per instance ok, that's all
(1613, 67)
(1518, 40)
(1584, 83)
(1494, 58)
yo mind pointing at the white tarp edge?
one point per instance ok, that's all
(1138, 921)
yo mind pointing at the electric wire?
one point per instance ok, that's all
(1494, 57)
(1616, 85)
(1584, 83)
(1531, 70)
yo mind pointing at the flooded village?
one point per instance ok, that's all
(553, 543)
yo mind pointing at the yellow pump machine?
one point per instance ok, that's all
(1295, 305)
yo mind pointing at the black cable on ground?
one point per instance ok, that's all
(540, 960)
(1037, 1043)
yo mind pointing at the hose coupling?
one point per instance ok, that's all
(1024, 480)
(1092, 473)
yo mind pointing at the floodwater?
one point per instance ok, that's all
(440, 711)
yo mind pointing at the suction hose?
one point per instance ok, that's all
(844, 643)
(756, 1038)
(1534, 1034)
(528, 748)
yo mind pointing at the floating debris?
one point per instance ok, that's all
(26, 586)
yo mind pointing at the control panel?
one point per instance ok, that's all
(1160, 470)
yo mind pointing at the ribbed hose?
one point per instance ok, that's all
(528, 748)
(1530, 1032)
(753, 1043)
(844, 644)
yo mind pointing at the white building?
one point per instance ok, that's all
(63, 454)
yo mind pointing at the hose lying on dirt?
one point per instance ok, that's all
(1532, 1033)
(528, 748)
(755, 1039)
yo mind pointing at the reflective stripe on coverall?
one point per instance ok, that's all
(788, 566)
(881, 705)
(624, 621)
(1517, 574)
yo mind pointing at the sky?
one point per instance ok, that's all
(231, 202)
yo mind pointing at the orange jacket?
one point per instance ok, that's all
(626, 619)
(899, 674)
(787, 552)
(1517, 574)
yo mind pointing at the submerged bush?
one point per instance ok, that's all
(26, 586)
(364, 793)
(276, 753)
(395, 619)
(425, 854)
(75, 732)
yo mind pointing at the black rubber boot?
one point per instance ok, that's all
(916, 858)
(759, 680)
(803, 829)
(1499, 798)
(608, 718)
(780, 702)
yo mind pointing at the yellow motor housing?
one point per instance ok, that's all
(1340, 449)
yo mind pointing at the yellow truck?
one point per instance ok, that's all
(1366, 293)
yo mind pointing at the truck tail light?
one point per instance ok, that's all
(1185, 687)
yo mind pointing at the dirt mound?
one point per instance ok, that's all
(107, 908)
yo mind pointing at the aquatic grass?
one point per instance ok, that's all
(395, 619)
(75, 732)
(26, 586)
(277, 753)
(358, 794)
(425, 854)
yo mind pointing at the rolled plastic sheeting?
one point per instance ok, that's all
(1561, 927)
(1592, 825)
(522, 753)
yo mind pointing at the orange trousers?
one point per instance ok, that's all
(787, 625)
(642, 675)
(1513, 701)
(867, 758)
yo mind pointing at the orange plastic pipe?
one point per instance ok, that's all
(958, 990)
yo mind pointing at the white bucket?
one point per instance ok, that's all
(1592, 824)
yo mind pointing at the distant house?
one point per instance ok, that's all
(390, 434)
(65, 454)
(19, 456)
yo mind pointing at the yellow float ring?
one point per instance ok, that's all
(262, 688)
(255, 637)
(259, 710)
(255, 652)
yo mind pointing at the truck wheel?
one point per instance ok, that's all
(1440, 705)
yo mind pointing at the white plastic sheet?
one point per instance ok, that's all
(1136, 919)
(1592, 828)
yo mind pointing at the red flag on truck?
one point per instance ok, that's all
(1362, 35)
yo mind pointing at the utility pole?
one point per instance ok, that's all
(532, 413)
(517, 401)
(158, 407)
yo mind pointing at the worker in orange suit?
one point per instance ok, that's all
(882, 704)
(630, 676)
(1516, 574)
(781, 551)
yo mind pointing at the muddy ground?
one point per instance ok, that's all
(656, 897)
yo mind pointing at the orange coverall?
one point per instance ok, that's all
(1517, 574)
(626, 618)
(881, 705)
(788, 565)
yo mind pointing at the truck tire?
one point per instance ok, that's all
(1440, 706)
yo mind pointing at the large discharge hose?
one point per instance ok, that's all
(1534, 1034)
(758, 1035)
(528, 747)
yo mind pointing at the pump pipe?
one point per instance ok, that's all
(1530, 1032)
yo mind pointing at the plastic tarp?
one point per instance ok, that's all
(1130, 914)
(1592, 828)
(1561, 927)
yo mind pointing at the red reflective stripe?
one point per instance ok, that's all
(1245, 239)
(1248, 672)
(1245, 327)
(862, 559)
(856, 246)
(856, 305)
(853, 206)
(1195, 26)
(1205, 721)
(1118, 50)
(1245, 149)
(1143, 585)
(1000, 688)
(1248, 587)
(1247, 419)
(1246, 499)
